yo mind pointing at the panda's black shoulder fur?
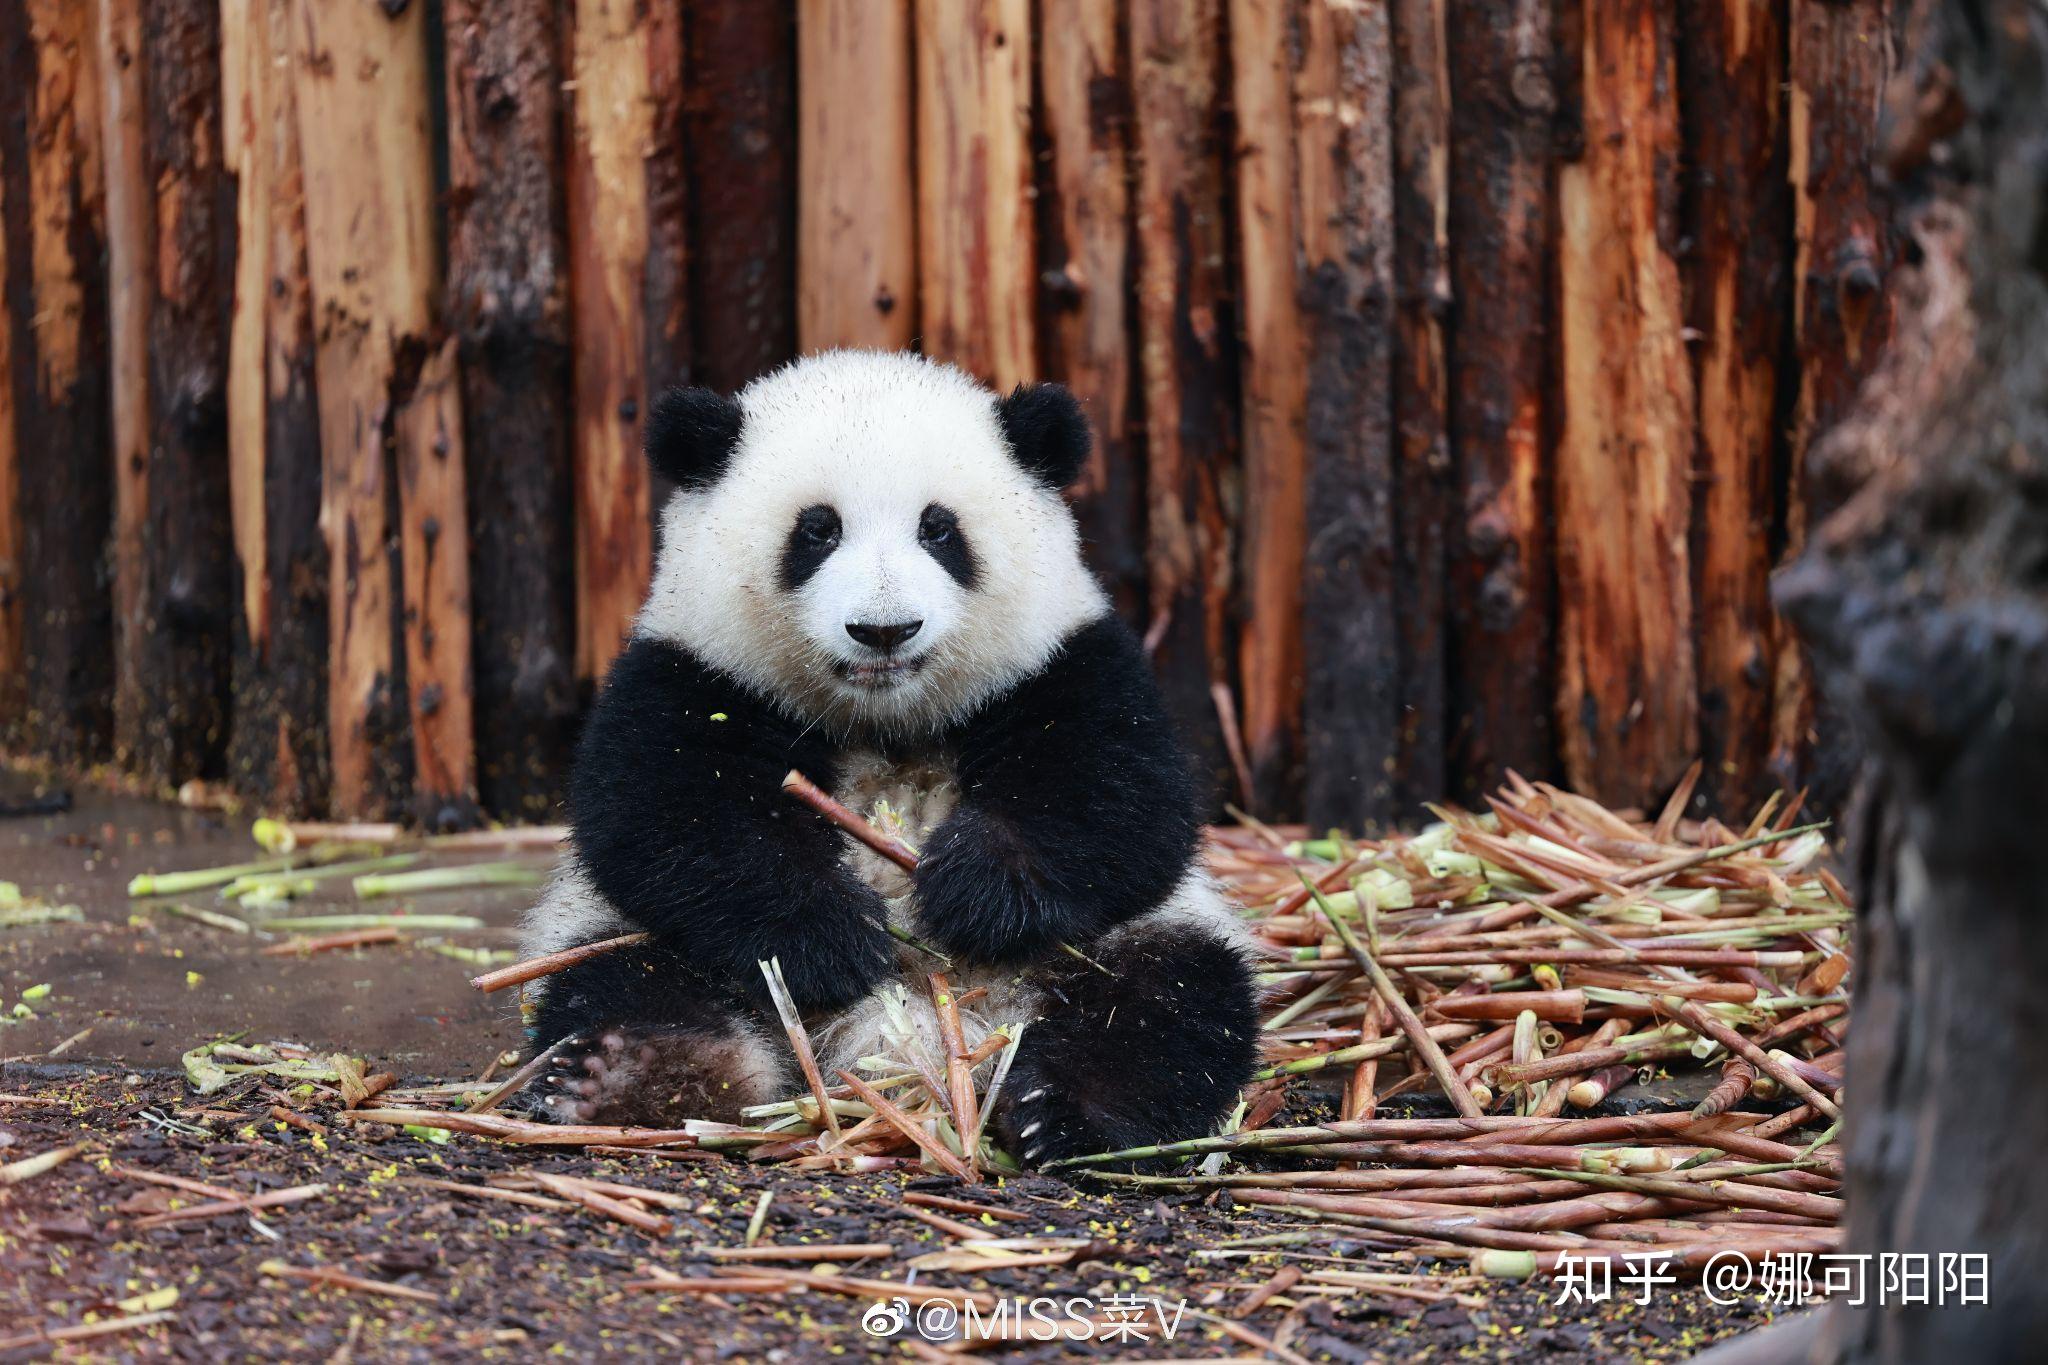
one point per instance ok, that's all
(678, 816)
(1078, 808)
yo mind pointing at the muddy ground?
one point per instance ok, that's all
(506, 1282)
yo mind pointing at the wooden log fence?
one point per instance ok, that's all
(1452, 363)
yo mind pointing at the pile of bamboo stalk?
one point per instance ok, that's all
(1525, 964)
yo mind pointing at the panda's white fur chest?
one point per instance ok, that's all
(909, 798)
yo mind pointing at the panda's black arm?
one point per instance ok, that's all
(1077, 807)
(678, 815)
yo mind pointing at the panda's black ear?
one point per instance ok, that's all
(691, 434)
(1047, 430)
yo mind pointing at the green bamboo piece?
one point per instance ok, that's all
(300, 881)
(179, 883)
(373, 885)
(308, 924)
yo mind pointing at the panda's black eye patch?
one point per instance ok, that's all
(938, 530)
(811, 542)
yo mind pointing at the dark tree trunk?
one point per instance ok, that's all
(508, 303)
(739, 126)
(1505, 97)
(187, 604)
(1924, 602)
(57, 301)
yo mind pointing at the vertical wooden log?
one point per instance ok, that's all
(856, 192)
(977, 272)
(188, 590)
(665, 288)
(426, 433)
(13, 698)
(57, 300)
(278, 749)
(1839, 60)
(1184, 351)
(1422, 101)
(1272, 373)
(1627, 704)
(1084, 237)
(1345, 162)
(1503, 678)
(364, 134)
(612, 127)
(508, 304)
(1732, 76)
(739, 132)
(131, 275)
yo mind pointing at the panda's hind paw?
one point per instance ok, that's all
(646, 1076)
(591, 1078)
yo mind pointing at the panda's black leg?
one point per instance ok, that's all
(636, 1038)
(1157, 1049)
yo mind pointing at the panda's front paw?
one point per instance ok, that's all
(826, 971)
(983, 898)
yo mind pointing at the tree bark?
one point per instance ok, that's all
(1500, 649)
(187, 596)
(1839, 59)
(1345, 162)
(615, 120)
(1085, 244)
(13, 697)
(1924, 605)
(1422, 100)
(739, 125)
(278, 750)
(56, 296)
(1627, 704)
(977, 272)
(131, 272)
(1732, 70)
(508, 304)
(1184, 353)
(1272, 371)
(364, 135)
(856, 194)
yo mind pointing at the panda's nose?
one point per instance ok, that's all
(884, 638)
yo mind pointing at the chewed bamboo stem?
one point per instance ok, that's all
(548, 964)
(822, 801)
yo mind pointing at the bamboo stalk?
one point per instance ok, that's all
(800, 1043)
(909, 1127)
(1418, 1037)
(549, 963)
(1704, 1024)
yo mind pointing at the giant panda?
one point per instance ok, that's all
(867, 573)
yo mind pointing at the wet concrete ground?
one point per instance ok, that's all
(149, 984)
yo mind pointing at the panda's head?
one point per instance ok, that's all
(870, 539)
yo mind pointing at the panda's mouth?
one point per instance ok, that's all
(878, 674)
